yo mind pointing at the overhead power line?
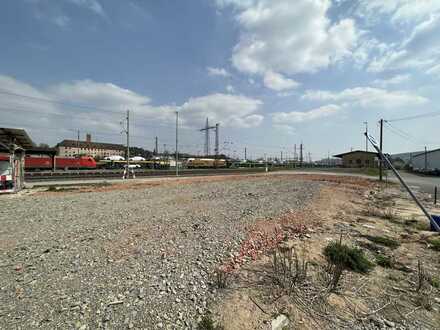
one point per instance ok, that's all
(423, 115)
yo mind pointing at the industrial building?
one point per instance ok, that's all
(359, 158)
(428, 161)
(72, 148)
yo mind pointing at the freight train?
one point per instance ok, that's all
(61, 163)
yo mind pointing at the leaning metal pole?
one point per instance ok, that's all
(385, 158)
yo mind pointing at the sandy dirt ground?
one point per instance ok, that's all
(388, 297)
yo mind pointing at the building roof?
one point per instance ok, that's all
(428, 152)
(90, 145)
(354, 152)
(17, 136)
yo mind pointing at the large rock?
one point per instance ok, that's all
(280, 322)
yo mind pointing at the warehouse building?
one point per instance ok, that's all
(428, 161)
(359, 158)
(72, 148)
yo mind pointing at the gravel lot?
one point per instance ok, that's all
(139, 258)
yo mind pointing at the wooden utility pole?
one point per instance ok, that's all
(366, 138)
(381, 150)
(128, 141)
(301, 155)
(245, 153)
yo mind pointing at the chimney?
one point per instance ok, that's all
(88, 137)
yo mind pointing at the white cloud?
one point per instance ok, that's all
(217, 72)
(420, 50)
(230, 89)
(92, 5)
(399, 11)
(396, 80)
(97, 93)
(61, 21)
(289, 37)
(278, 82)
(99, 107)
(294, 117)
(368, 97)
(435, 70)
(226, 109)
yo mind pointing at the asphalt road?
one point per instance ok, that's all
(422, 182)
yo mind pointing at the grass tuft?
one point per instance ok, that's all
(382, 240)
(384, 261)
(435, 244)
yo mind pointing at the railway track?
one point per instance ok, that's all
(113, 174)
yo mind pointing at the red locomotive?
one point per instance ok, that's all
(61, 163)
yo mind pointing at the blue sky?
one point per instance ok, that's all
(272, 73)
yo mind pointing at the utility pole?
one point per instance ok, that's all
(381, 150)
(281, 157)
(245, 153)
(217, 151)
(265, 162)
(366, 132)
(177, 143)
(426, 159)
(301, 155)
(295, 158)
(156, 149)
(128, 141)
(77, 144)
(206, 129)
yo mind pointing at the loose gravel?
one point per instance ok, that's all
(140, 258)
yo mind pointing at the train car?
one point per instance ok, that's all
(149, 164)
(206, 163)
(63, 163)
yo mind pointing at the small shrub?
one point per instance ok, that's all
(288, 267)
(423, 226)
(350, 258)
(435, 282)
(342, 257)
(435, 244)
(384, 261)
(208, 324)
(382, 240)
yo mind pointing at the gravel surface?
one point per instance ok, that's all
(139, 258)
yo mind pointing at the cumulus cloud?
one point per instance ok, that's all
(278, 82)
(420, 50)
(226, 109)
(217, 72)
(281, 37)
(396, 80)
(368, 97)
(99, 107)
(294, 117)
(290, 38)
(399, 11)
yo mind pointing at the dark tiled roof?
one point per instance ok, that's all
(90, 145)
(356, 151)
